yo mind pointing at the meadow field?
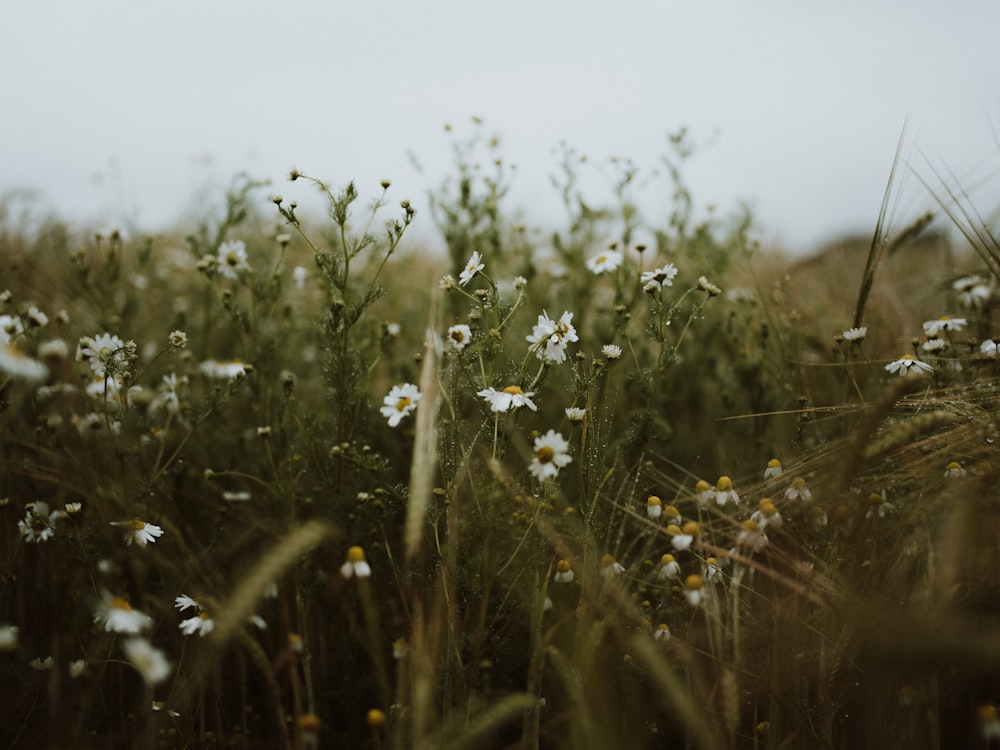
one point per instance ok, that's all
(286, 481)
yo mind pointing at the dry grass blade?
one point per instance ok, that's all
(487, 721)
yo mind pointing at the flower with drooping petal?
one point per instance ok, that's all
(511, 397)
(202, 624)
(549, 338)
(355, 565)
(610, 567)
(575, 413)
(148, 661)
(990, 348)
(654, 506)
(798, 490)
(855, 335)
(773, 469)
(17, 364)
(117, 616)
(724, 492)
(907, 363)
(662, 632)
(954, 470)
(704, 493)
(550, 456)
(474, 266)
(402, 400)
(564, 573)
(693, 590)
(670, 569)
(140, 532)
(944, 323)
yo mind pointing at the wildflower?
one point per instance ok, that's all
(689, 532)
(299, 276)
(459, 336)
(660, 277)
(767, 515)
(474, 266)
(564, 573)
(202, 624)
(161, 706)
(447, 283)
(38, 525)
(654, 506)
(117, 616)
(231, 259)
(934, 345)
(519, 283)
(8, 637)
(42, 665)
(954, 470)
(773, 469)
(53, 349)
(575, 413)
(233, 496)
(16, 363)
(36, 318)
(178, 339)
(550, 455)
(725, 493)
(990, 348)
(10, 328)
(707, 286)
(511, 397)
(944, 323)
(77, 667)
(752, 536)
(400, 648)
(879, 506)
(973, 290)
(662, 632)
(355, 564)
(402, 400)
(375, 718)
(988, 719)
(818, 517)
(140, 532)
(611, 567)
(549, 338)
(798, 491)
(611, 351)
(225, 369)
(907, 362)
(703, 493)
(670, 569)
(855, 335)
(712, 571)
(693, 589)
(184, 602)
(606, 261)
(106, 354)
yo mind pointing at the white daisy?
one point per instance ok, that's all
(139, 532)
(117, 616)
(564, 573)
(201, 623)
(231, 259)
(402, 400)
(106, 353)
(459, 336)
(355, 565)
(575, 413)
(855, 334)
(611, 351)
(670, 569)
(550, 338)
(660, 277)
(610, 568)
(474, 266)
(990, 348)
(944, 323)
(228, 369)
(511, 397)
(38, 525)
(906, 363)
(550, 456)
(17, 364)
(605, 262)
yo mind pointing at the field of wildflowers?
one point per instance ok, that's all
(640, 482)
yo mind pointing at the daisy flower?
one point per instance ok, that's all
(140, 532)
(855, 334)
(704, 493)
(459, 336)
(106, 353)
(973, 291)
(355, 565)
(611, 567)
(767, 515)
(906, 363)
(231, 259)
(575, 413)
(683, 537)
(725, 493)
(564, 573)
(611, 351)
(8, 637)
(184, 602)
(549, 338)
(670, 569)
(17, 364)
(201, 623)
(117, 616)
(10, 327)
(474, 266)
(654, 506)
(228, 369)
(511, 397)
(38, 525)
(934, 345)
(752, 536)
(954, 470)
(798, 491)
(944, 323)
(708, 287)
(550, 455)
(773, 469)
(662, 632)
(402, 400)
(693, 591)
(990, 348)
(660, 277)
(605, 262)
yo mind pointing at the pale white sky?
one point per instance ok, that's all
(134, 110)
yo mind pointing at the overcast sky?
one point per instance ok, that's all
(135, 110)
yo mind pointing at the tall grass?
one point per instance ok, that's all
(288, 482)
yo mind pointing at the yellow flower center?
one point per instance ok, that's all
(607, 560)
(774, 463)
(118, 603)
(653, 500)
(691, 528)
(514, 390)
(667, 559)
(545, 454)
(355, 555)
(601, 259)
(692, 582)
(138, 525)
(725, 484)
(701, 486)
(563, 566)
(403, 403)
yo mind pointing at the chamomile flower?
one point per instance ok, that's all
(38, 524)
(752, 536)
(990, 348)
(231, 259)
(907, 363)
(712, 570)
(708, 287)
(773, 469)
(672, 515)
(693, 589)
(177, 339)
(934, 345)
(447, 283)
(855, 335)
(459, 337)
(704, 493)
(9, 637)
(973, 291)
(944, 323)
(42, 665)
(662, 632)
(683, 537)
(106, 354)
(611, 351)
(670, 569)
(511, 397)
(798, 490)
(660, 277)
(184, 602)
(76, 668)
(611, 568)
(299, 276)
(767, 515)
(139, 532)
(564, 573)
(654, 506)
(551, 454)
(550, 338)
(724, 492)
(605, 262)
(878, 506)
(400, 402)
(355, 565)
(116, 615)
(17, 364)
(10, 327)
(474, 266)
(225, 369)
(954, 470)
(575, 413)
(201, 624)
